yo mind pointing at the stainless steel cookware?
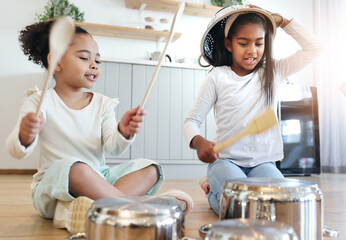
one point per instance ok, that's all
(135, 218)
(247, 229)
(294, 202)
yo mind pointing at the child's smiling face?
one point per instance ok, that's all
(79, 67)
(247, 47)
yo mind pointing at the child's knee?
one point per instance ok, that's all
(153, 172)
(79, 168)
(80, 172)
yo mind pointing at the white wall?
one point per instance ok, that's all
(18, 74)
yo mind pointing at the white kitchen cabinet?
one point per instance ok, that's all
(171, 98)
(115, 82)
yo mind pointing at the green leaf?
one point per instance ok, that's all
(58, 8)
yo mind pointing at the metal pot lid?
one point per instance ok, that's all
(133, 210)
(250, 229)
(273, 189)
(217, 23)
(272, 182)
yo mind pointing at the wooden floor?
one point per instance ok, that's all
(19, 220)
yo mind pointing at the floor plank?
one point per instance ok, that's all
(19, 220)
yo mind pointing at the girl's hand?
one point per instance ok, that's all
(206, 187)
(131, 122)
(204, 149)
(30, 126)
(280, 21)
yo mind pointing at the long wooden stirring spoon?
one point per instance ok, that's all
(60, 37)
(179, 11)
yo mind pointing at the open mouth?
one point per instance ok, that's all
(250, 60)
(91, 77)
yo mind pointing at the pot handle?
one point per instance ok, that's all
(80, 235)
(329, 232)
(203, 230)
(199, 62)
(169, 58)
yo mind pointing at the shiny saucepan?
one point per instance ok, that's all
(293, 202)
(133, 218)
(247, 229)
(160, 218)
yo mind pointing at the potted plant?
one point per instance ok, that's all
(58, 8)
(225, 3)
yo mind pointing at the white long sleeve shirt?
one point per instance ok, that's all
(84, 134)
(237, 100)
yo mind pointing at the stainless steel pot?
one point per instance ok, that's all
(247, 229)
(294, 202)
(133, 218)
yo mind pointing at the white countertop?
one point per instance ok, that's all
(154, 63)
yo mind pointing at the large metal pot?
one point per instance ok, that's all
(247, 229)
(134, 218)
(294, 202)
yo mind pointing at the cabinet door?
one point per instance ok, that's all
(176, 116)
(188, 97)
(167, 105)
(154, 134)
(138, 90)
(117, 84)
(170, 99)
(163, 113)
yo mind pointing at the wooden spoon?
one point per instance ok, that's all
(258, 125)
(60, 37)
(179, 11)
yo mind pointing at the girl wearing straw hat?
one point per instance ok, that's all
(242, 85)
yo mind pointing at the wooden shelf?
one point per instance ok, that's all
(193, 9)
(126, 32)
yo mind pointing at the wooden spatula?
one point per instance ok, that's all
(258, 125)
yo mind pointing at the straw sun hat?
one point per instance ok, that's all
(222, 21)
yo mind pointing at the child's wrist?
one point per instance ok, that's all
(127, 136)
(25, 142)
(194, 141)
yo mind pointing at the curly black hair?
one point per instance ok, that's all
(34, 41)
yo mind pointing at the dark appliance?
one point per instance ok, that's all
(298, 117)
